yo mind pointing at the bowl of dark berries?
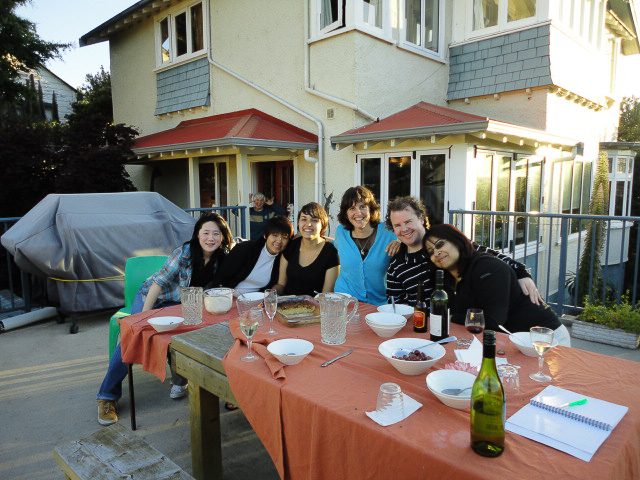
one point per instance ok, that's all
(415, 362)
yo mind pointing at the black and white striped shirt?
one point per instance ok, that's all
(407, 270)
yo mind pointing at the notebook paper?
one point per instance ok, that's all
(560, 432)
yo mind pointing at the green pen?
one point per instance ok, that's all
(572, 404)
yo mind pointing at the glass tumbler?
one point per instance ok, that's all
(509, 378)
(191, 299)
(390, 401)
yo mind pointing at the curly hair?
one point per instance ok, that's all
(315, 210)
(353, 196)
(404, 203)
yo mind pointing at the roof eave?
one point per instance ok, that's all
(101, 32)
(226, 142)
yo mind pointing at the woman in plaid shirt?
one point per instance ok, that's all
(193, 264)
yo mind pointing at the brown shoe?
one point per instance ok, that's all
(107, 412)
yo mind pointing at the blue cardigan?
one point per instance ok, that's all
(365, 280)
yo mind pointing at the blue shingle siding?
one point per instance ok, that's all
(184, 86)
(509, 62)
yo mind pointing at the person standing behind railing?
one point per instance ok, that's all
(263, 209)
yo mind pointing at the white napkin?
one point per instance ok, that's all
(386, 418)
(473, 354)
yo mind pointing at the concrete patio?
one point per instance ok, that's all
(49, 380)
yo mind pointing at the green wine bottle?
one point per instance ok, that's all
(488, 407)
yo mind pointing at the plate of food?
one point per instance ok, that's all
(296, 308)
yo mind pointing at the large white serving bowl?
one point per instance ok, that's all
(218, 300)
(402, 309)
(522, 340)
(408, 367)
(164, 324)
(386, 332)
(442, 379)
(385, 319)
(296, 346)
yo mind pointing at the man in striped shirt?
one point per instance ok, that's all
(407, 217)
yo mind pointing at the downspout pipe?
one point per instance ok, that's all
(319, 190)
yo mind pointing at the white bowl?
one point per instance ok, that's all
(385, 319)
(408, 367)
(164, 324)
(386, 332)
(441, 379)
(281, 348)
(523, 342)
(247, 301)
(218, 300)
(405, 310)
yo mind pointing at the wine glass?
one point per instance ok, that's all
(270, 306)
(249, 322)
(474, 321)
(542, 340)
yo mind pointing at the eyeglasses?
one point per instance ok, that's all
(436, 246)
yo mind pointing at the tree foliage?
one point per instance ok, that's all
(21, 50)
(85, 155)
(629, 128)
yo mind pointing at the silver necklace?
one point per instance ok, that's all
(361, 247)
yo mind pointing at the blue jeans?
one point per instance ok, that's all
(111, 388)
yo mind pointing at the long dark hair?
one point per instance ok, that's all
(458, 239)
(197, 259)
(351, 197)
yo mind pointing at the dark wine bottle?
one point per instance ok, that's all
(420, 311)
(439, 309)
(488, 406)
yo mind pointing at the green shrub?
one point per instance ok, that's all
(623, 315)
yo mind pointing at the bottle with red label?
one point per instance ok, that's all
(420, 312)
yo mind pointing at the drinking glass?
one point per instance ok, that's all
(509, 378)
(191, 299)
(270, 307)
(542, 340)
(474, 321)
(249, 322)
(390, 401)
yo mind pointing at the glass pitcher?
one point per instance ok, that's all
(334, 316)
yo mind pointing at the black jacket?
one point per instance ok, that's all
(240, 261)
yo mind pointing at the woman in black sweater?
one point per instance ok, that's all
(482, 281)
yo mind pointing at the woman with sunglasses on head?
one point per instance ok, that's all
(310, 264)
(365, 247)
(479, 280)
(194, 264)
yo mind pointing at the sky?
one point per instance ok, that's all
(65, 21)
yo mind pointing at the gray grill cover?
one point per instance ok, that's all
(90, 236)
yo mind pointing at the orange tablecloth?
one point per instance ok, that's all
(312, 420)
(141, 344)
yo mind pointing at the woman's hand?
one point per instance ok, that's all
(530, 290)
(393, 247)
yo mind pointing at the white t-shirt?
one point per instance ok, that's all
(260, 274)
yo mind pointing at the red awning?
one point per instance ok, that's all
(251, 128)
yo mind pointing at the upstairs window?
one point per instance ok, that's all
(491, 16)
(180, 35)
(421, 25)
(620, 184)
(329, 17)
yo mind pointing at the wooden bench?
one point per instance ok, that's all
(112, 453)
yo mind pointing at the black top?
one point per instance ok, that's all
(310, 279)
(492, 285)
(203, 275)
(407, 270)
(240, 261)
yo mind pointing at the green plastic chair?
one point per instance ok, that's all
(136, 271)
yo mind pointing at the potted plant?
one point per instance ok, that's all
(615, 324)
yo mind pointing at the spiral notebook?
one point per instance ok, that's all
(577, 430)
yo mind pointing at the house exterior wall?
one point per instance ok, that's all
(65, 94)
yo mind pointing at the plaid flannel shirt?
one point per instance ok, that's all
(175, 273)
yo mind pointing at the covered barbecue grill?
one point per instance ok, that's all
(79, 243)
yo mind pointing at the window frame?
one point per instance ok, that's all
(351, 17)
(625, 178)
(502, 25)
(170, 15)
(439, 53)
(557, 188)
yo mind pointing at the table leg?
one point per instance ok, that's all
(206, 444)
